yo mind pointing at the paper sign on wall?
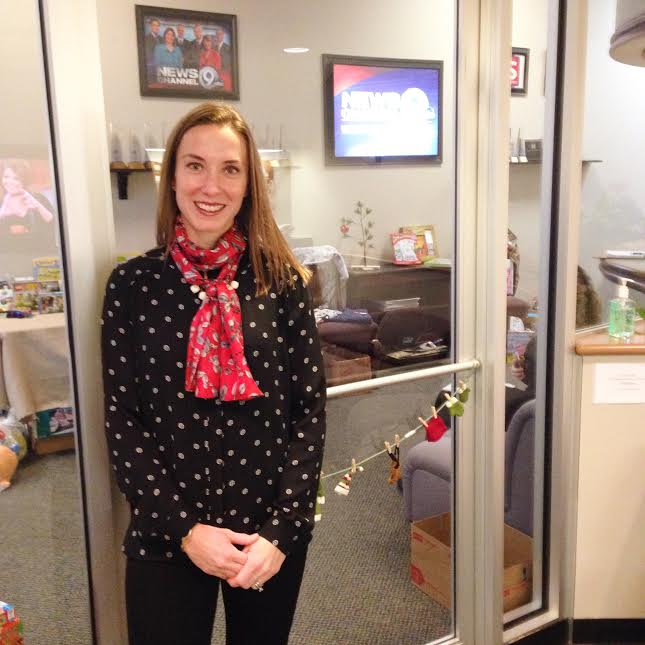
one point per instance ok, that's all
(619, 383)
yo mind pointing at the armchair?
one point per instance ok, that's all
(427, 474)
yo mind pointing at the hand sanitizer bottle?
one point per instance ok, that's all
(622, 313)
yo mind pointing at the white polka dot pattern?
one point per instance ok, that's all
(246, 466)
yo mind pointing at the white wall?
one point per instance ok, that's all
(285, 90)
(530, 32)
(527, 116)
(613, 196)
(24, 126)
(22, 121)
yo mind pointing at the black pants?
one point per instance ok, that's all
(174, 604)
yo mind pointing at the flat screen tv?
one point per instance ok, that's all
(382, 110)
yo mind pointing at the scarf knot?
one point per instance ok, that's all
(215, 363)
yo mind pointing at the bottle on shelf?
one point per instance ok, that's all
(117, 161)
(622, 314)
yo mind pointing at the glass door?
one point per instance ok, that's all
(354, 112)
(43, 552)
(385, 145)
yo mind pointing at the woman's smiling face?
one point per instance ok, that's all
(11, 182)
(211, 179)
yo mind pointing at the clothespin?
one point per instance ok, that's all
(394, 454)
(342, 487)
(434, 412)
(463, 392)
(454, 405)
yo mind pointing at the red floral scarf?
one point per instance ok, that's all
(215, 364)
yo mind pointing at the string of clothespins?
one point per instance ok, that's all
(434, 427)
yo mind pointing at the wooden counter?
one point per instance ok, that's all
(598, 343)
(610, 515)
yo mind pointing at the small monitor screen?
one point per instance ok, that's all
(382, 110)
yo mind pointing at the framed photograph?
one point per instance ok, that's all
(187, 54)
(519, 71)
(426, 242)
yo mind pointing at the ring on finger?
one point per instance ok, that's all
(257, 586)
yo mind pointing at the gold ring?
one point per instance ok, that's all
(257, 586)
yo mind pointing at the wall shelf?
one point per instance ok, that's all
(277, 158)
(122, 172)
(539, 163)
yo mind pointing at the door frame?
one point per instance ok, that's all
(479, 302)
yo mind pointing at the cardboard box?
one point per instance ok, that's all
(431, 570)
(345, 366)
(54, 422)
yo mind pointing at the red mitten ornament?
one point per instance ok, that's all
(435, 428)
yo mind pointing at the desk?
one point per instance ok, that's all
(34, 364)
(393, 282)
(402, 328)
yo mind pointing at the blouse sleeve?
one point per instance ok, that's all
(294, 507)
(141, 472)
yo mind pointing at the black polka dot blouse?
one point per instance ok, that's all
(244, 465)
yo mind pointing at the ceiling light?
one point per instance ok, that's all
(295, 50)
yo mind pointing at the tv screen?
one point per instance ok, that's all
(27, 211)
(382, 110)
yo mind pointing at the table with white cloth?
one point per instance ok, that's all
(34, 364)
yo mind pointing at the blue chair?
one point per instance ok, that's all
(427, 474)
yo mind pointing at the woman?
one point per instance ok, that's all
(167, 54)
(209, 57)
(26, 218)
(215, 399)
(17, 202)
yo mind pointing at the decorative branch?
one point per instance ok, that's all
(366, 226)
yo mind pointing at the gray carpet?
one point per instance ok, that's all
(42, 555)
(356, 588)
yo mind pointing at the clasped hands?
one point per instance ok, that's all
(214, 551)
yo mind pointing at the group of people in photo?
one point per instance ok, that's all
(183, 46)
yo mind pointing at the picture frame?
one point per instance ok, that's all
(519, 71)
(187, 54)
(426, 244)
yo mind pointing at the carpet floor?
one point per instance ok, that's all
(356, 588)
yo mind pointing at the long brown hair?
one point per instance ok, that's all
(272, 260)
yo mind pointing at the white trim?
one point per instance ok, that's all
(86, 199)
(464, 313)
(494, 105)
(565, 385)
